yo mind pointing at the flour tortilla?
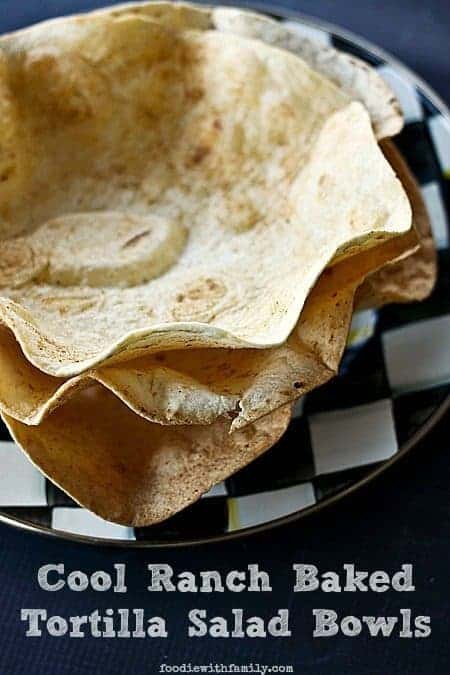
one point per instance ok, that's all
(182, 387)
(169, 189)
(130, 471)
(412, 278)
(404, 281)
(359, 80)
(200, 386)
(352, 75)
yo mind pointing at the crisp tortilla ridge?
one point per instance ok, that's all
(197, 387)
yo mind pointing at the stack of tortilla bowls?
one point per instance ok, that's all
(192, 203)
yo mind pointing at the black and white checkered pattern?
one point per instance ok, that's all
(393, 378)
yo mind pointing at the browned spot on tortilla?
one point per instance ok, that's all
(7, 173)
(19, 262)
(194, 93)
(198, 155)
(198, 299)
(73, 303)
(206, 287)
(133, 240)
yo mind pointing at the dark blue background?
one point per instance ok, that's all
(404, 517)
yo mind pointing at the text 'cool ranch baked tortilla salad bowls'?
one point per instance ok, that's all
(193, 202)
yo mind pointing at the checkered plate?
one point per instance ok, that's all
(345, 432)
